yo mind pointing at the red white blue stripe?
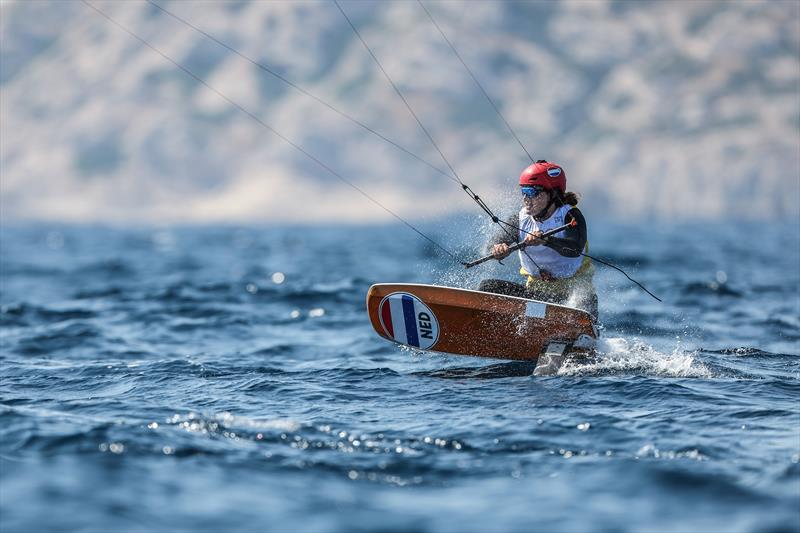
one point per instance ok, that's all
(400, 316)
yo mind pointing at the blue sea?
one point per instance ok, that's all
(226, 378)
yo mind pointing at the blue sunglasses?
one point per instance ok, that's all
(531, 191)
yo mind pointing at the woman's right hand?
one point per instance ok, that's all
(500, 251)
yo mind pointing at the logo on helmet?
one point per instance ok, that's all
(554, 172)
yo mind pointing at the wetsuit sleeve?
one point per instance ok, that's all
(509, 236)
(574, 240)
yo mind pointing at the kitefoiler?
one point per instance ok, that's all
(552, 315)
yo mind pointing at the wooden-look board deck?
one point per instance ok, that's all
(467, 322)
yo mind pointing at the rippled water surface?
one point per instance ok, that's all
(227, 378)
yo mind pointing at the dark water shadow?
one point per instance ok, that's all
(513, 369)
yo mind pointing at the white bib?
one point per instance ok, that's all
(547, 258)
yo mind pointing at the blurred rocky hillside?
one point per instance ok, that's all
(679, 109)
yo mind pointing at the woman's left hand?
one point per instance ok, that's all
(534, 239)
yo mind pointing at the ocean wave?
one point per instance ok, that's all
(28, 314)
(61, 337)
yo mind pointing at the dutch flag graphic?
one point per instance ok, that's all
(409, 321)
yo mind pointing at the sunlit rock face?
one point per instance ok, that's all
(665, 109)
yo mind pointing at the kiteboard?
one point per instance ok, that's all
(483, 324)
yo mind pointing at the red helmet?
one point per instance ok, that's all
(544, 174)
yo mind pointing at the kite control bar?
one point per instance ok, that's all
(521, 245)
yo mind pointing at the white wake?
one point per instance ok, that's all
(621, 356)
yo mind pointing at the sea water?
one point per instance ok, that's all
(227, 378)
